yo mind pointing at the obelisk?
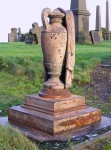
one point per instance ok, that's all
(81, 14)
(98, 21)
(107, 21)
(98, 18)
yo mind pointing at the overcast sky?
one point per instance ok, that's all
(22, 13)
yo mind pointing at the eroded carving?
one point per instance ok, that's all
(58, 47)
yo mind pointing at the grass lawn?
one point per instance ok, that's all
(11, 139)
(21, 70)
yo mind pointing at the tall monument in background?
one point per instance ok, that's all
(98, 18)
(79, 9)
(98, 22)
(107, 21)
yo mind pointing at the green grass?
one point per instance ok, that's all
(87, 56)
(21, 70)
(20, 50)
(11, 139)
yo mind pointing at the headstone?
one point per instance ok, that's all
(12, 37)
(107, 21)
(81, 14)
(36, 32)
(95, 36)
(54, 110)
(20, 36)
(29, 38)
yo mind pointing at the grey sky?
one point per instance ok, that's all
(22, 13)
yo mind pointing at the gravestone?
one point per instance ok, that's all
(36, 32)
(107, 21)
(81, 15)
(12, 37)
(29, 38)
(20, 35)
(95, 36)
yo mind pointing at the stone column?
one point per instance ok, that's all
(81, 14)
(107, 21)
(98, 18)
(98, 22)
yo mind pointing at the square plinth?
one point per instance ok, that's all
(54, 106)
(42, 136)
(54, 124)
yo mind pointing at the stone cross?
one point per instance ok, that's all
(36, 31)
(79, 9)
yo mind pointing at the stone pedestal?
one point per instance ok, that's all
(43, 136)
(54, 115)
(81, 15)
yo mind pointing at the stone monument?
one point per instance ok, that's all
(96, 35)
(20, 35)
(98, 19)
(12, 37)
(81, 14)
(54, 110)
(107, 21)
(36, 32)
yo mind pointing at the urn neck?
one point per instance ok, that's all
(56, 19)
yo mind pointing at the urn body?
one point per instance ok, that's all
(54, 42)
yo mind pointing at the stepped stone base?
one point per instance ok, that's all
(43, 136)
(54, 115)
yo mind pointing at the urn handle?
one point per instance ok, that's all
(45, 13)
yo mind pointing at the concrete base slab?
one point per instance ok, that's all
(91, 144)
(42, 136)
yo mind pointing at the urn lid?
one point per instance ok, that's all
(56, 13)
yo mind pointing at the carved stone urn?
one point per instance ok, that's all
(54, 110)
(54, 41)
